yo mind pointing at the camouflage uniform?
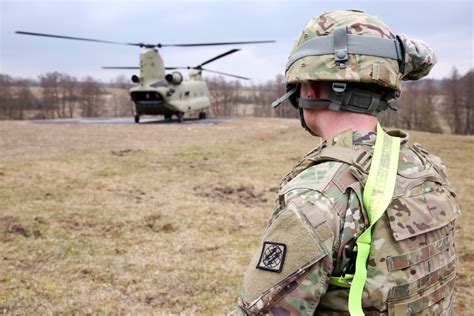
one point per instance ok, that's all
(310, 239)
(320, 214)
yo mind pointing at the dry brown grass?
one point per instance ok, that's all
(141, 219)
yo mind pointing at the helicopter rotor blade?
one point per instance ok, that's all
(218, 57)
(78, 38)
(225, 74)
(207, 61)
(119, 67)
(214, 44)
(159, 45)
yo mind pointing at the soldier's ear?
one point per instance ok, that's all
(418, 60)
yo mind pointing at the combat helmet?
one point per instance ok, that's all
(353, 50)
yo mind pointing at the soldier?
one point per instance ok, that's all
(364, 223)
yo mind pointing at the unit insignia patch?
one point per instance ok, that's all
(272, 257)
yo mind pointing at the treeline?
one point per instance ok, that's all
(443, 106)
(438, 106)
(59, 95)
(231, 98)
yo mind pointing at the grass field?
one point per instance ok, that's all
(158, 218)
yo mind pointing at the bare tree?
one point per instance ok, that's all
(90, 97)
(221, 96)
(70, 95)
(50, 98)
(24, 99)
(452, 102)
(236, 91)
(7, 104)
(121, 82)
(427, 118)
(123, 106)
(468, 101)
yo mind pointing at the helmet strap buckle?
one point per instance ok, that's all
(339, 87)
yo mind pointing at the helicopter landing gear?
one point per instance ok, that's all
(202, 115)
(168, 117)
(137, 118)
(180, 116)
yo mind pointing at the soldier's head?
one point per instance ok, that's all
(350, 62)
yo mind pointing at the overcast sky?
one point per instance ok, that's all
(446, 25)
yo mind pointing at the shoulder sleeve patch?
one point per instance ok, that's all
(288, 245)
(272, 256)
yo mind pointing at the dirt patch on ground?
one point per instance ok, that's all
(153, 222)
(245, 195)
(467, 258)
(10, 225)
(124, 152)
(115, 228)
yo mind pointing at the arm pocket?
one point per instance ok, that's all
(289, 247)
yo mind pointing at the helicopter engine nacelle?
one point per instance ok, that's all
(175, 77)
(135, 79)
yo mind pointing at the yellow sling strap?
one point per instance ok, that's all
(378, 193)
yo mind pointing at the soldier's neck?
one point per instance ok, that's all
(326, 123)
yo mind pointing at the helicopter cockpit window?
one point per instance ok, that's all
(186, 94)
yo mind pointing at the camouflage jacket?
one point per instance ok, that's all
(318, 217)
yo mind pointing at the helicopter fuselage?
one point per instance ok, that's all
(159, 94)
(162, 98)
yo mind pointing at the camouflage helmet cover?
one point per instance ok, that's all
(418, 56)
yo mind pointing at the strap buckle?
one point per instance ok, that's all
(363, 161)
(342, 281)
(339, 87)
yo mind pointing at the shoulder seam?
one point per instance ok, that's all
(323, 182)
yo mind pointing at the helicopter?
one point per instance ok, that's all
(158, 93)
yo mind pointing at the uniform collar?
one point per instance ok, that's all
(348, 138)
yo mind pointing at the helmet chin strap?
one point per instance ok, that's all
(303, 122)
(344, 97)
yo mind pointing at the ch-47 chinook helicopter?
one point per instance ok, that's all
(158, 93)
